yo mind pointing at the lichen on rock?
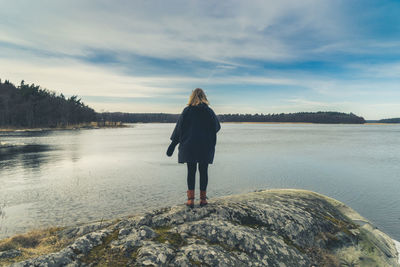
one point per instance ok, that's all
(264, 228)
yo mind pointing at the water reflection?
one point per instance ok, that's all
(26, 133)
(11, 150)
(35, 149)
(28, 156)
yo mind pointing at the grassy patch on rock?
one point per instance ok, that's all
(34, 244)
(366, 253)
(322, 257)
(341, 225)
(164, 235)
(198, 263)
(104, 255)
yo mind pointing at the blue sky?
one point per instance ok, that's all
(249, 56)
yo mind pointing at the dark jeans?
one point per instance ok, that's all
(191, 177)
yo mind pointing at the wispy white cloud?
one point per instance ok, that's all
(212, 31)
(378, 70)
(73, 77)
(157, 51)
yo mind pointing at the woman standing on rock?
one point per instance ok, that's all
(196, 134)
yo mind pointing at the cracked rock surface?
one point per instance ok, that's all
(265, 228)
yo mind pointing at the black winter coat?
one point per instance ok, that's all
(196, 133)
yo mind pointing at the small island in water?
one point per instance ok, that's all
(284, 227)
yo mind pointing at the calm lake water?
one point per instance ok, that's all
(68, 177)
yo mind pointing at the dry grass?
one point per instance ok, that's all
(322, 257)
(33, 244)
(104, 255)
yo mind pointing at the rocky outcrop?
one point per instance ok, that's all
(266, 228)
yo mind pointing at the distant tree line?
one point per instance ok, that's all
(313, 117)
(29, 105)
(393, 120)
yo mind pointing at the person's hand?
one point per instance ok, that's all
(171, 149)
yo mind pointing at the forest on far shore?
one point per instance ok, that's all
(393, 120)
(30, 106)
(311, 117)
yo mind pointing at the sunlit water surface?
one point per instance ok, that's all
(68, 177)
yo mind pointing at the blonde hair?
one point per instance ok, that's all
(197, 97)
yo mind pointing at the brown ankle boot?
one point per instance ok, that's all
(203, 198)
(190, 195)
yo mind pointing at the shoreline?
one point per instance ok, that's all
(71, 127)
